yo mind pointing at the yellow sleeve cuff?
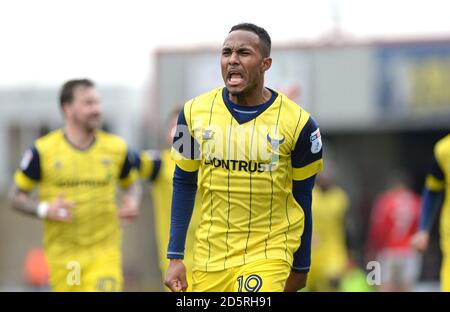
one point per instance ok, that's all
(184, 163)
(307, 171)
(131, 178)
(434, 184)
(23, 182)
(146, 167)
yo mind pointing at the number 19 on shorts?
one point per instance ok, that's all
(252, 283)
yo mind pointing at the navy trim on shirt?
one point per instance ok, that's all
(33, 168)
(246, 114)
(302, 155)
(156, 169)
(128, 164)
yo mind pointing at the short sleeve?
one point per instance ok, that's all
(185, 149)
(307, 154)
(128, 173)
(29, 173)
(149, 165)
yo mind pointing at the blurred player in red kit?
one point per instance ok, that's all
(394, 220)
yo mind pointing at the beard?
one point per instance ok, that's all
(89, 124)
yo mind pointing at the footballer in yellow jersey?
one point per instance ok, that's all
(258, 153)
(77, 170)
(328, 250)
(436, 197)
(157, 167)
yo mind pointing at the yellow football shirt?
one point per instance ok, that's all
(329, 256)
(88, 178)
(248, 209)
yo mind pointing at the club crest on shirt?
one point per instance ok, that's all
(106, 162)
(316, 141)
(275, 143)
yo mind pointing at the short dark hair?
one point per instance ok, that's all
(264, 38)
(66, 94)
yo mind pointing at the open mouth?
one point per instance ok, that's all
(235, 78)
(94, 118)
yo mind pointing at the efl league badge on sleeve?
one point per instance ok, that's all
(316, 142)
(26, 160)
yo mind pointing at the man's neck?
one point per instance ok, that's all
(80, 138)
(258, 97)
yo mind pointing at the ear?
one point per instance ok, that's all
(266, 63)
(65, 109)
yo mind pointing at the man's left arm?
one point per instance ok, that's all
(306, 162)
(148, 164)
(302, 191)
(132, 190)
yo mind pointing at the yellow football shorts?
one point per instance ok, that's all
(258, 276)
(87, 272)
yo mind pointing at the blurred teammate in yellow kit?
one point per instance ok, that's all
(329, 256)
(77, 169)
(436, 205)
(157, 167)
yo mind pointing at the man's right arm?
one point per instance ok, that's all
(58, 210)
(183, 200)
(25, 179)
(185, 152)
(22, 202)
